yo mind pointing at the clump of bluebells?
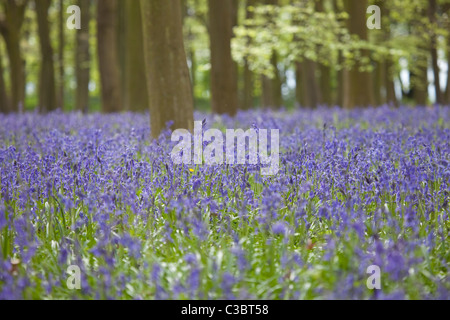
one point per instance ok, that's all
(355, 189)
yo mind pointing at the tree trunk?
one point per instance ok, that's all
(121, 34)
(61, 43)
(83, 58)
(10, 28)
(271, 87)
(4, 99)
(47, 89)
(419, 82)
(247, 94)
(378, 83)
(432, 11)
(447, 90)
(169, 86)
(388, 65)
(391, 97)
(136, 98)
(306, 90)
(446, 10)
(223, 73)
(299, 83)
(108, 55)
(324, 87)
(360, 91)
(340, 74)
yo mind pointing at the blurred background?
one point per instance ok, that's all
(284, 54)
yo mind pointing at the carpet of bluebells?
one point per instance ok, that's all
(355, 188)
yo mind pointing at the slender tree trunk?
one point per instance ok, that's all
(4, 99)
(247, 94)
(121, 34)
(61, 43)
(247, 102)
(340, 74)
(108, 56)
(418, 73)
(83, 58)
(310, 88)
(324, 88)
(447, 90)
(169, 86)
(419, 82)
(10, 28)
(378, 83)
(360, 92)
(136, 98)
(299, 84)
(325, 85)
(236, 68)
(432, 11)
(193, 72)
(391, 97)
(223, 74)
(388, 65)
(446, 10)
(307, 88)
(47, 88)
(379, 78)
(271, 87)
(190, 50)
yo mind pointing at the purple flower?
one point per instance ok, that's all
(280, 228)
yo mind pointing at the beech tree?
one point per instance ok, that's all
(61, 43)
(108, 57)
(168, 80)
(360, 91)
(224, 89)
(83, 58)
(47, 86)
(247, 95)
(10, 28)
(447, 24)
(4, 99)
(135, 94)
